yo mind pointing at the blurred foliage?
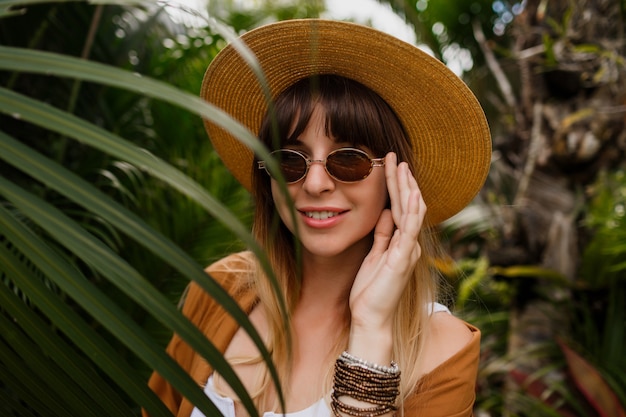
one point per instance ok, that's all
(599, 300)
(448, 29)
(604, 258)
(583, 372)
(441, 24)
(540, 252)
(584, 375)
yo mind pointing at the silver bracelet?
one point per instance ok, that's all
(393, 369)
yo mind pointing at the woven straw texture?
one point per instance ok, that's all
(441, 115)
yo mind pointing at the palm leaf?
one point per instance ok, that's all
(101, 258)
(84, 337)
(95, 255)
(46, 116)
(82, 373)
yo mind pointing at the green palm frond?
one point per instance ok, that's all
(66, 234)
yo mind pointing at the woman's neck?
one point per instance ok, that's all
(328, 281)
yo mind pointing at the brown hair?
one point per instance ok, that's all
(356, 115)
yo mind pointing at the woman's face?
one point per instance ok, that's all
(333, 218)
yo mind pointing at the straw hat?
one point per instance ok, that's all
(442, 117)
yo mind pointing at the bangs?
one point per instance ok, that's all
(354, 114)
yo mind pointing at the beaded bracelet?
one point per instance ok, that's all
(338, 406)
(351, 359)
(367, 382)
(378, 393)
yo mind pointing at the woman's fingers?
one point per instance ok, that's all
(414, 208)
(410, 210)
(404, 186)
(403, 191)
(407, 214)
(401, 184)
(391, 175)
(382, 233)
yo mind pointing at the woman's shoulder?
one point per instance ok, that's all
(448, 339)
(232, 273)
(238, 262)
(449, 366)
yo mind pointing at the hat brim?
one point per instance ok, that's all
(440, 114)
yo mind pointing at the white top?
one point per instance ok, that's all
(226, 405)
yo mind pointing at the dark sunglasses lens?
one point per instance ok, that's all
(292, 165)
(349, 165)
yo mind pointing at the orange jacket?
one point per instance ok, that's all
(447, 391)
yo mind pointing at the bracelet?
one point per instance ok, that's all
(337, 406)
(376, 385)
(353, 360)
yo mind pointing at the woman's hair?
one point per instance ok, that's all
(356, 115)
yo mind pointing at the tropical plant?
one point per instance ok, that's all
(599, 322)
(111, 200)
(537, 265)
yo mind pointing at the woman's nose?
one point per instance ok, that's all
(317, 179)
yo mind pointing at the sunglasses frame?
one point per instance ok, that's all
(374, 162)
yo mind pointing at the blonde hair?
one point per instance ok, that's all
(356, 115)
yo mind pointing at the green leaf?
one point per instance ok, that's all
(17, 59)
(529, 271)
(125, 277)
(83, 376)
(55, 224)
(62, 390)
(24, 376)
(66, 124)
(71, 126)
(65, 182)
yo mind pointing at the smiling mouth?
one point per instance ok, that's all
(320, 215)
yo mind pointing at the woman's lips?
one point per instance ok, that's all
(321, 218)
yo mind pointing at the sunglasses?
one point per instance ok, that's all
(343, 165)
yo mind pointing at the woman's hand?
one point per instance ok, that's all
(390, 263)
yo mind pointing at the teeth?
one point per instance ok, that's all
(320, 215)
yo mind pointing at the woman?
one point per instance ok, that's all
(369, 132)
